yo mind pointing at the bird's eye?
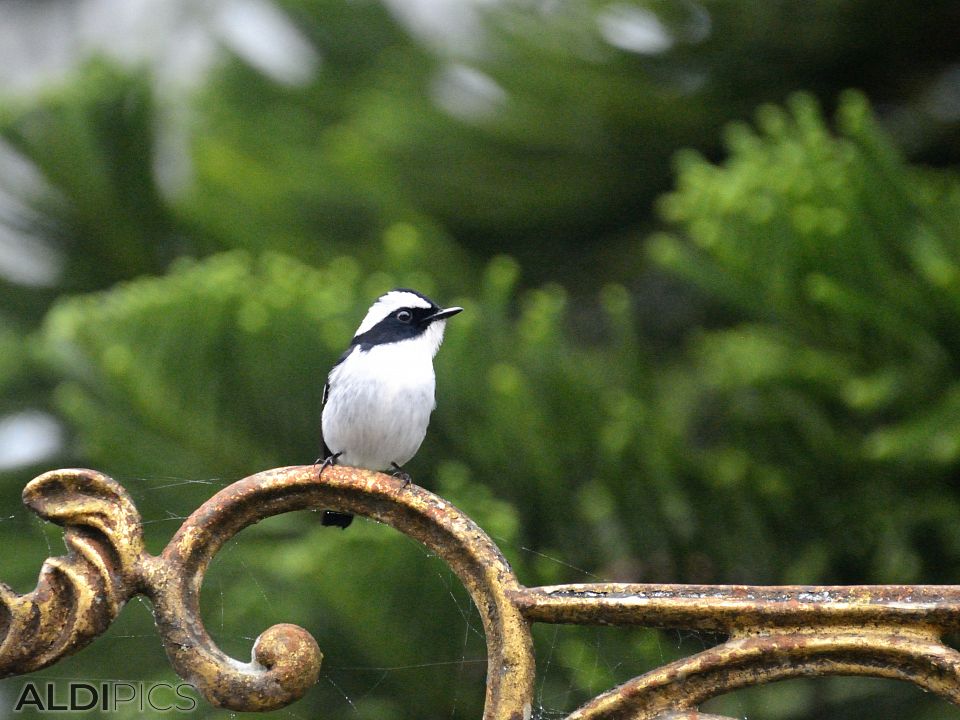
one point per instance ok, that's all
(404, 316)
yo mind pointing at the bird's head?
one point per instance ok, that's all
(401, 316)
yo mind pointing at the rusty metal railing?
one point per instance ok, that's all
(772, 633)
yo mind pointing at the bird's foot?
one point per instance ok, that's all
(399, 472)
(327, 462)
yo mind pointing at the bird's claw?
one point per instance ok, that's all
(400, 473)
(327, 462)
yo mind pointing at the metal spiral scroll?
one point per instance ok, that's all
(286, 659)
(107, 560)
(772, 633)
(78, 595)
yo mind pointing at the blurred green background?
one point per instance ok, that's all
(709, 253)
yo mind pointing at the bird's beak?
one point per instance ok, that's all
(444, 314)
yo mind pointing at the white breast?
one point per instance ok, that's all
(379, 405)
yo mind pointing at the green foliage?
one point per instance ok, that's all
(561, 145)
(766, 392)
(836, 391)
(95, 197)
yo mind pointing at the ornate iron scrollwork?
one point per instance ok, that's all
(772, 632)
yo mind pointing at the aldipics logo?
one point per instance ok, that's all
(105, 696)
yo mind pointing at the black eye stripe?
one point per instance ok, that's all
(393, 328)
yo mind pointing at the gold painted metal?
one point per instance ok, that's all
(772, 633)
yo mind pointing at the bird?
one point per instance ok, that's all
(379, 395)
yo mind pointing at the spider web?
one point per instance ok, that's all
(574, 663)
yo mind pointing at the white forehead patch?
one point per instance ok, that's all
(386, 304)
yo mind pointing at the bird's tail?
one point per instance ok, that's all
(332, 518)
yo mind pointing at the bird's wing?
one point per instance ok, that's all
(324, 450)
(326, 386)
(326, 394)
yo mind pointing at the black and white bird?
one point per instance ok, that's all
(380, 393)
